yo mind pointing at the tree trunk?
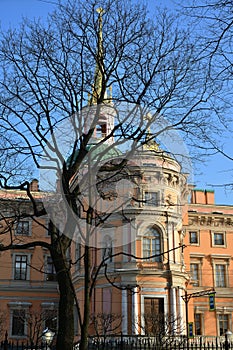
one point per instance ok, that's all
(65, 336)
(86, 316)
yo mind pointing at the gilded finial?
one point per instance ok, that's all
(100, 10)
(150, 144)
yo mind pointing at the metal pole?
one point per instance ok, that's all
(186, 297)
(186, 314)
(226, 344)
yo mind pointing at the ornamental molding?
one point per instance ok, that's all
(209, 220)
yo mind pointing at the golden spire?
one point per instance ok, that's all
(99, 70)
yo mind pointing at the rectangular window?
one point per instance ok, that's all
(151, 247)
(193, 237)
(20, 267)
(219, 239)
(220, 275)
(22, 228)
(52, 229)
(18, 322)
(151, 198)
(50, 270)
(147, 251)
(101, 131)
(223, 323)
(195, 275)
(198, 324)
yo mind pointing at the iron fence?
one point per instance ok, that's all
(25, 346)
(157, 343)
(127, 342)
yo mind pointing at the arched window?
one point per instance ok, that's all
(152, 245)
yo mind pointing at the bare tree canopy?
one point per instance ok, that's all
(212, 22)
(57, 81)
(217, 20)
(48, 72)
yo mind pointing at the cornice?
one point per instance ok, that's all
(211, 220)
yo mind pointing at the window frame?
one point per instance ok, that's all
(228, 320)
(18, 319)
(197, 236)
(220, 276)
(19, 306)
(50, 274)
(154, 241)
(200, 321)
(20, 271)
(197, 281)
(223, 234)
(28, 260)
(21, 231)
(220, 259)
(150, 200)
(49, 228)
(197, 258)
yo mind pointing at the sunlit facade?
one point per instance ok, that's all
(28, 288)
(177, 240)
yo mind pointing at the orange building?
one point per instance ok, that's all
(158, 281)
(155, 271)
(156, 274)
(28, 288)
(155, 287)
(152, 276)
(208, 257)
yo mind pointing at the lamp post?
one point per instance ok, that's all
(228, 336)
(47, 338)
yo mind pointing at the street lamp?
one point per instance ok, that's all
(47, 337)
(228, 336)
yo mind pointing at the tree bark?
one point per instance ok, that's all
(86, 315)
(65, 334)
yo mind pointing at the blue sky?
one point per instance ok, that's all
(11, 11)
(216, 171)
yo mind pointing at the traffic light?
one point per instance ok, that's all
(212, 302)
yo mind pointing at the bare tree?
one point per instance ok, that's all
(55, 85)
(212, 21)
(165, 328)
(217, 20)
(36, 322)
(106, 325)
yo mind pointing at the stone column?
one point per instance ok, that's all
(135, 311)
(173, 309)
(124, 309)
(181, 311)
